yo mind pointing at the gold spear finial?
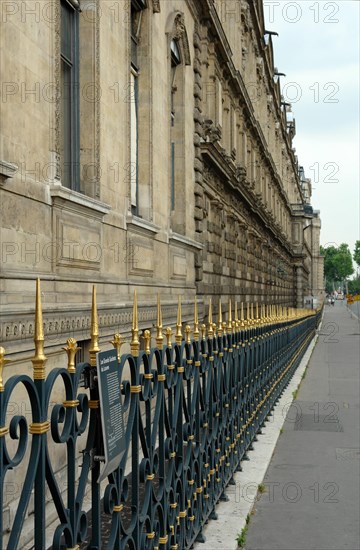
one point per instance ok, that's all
(257, 312)
(71, 350)
(252, 312)
(3, 362)
(94, 330)
(39, 358)
(229, 325)
(135, 344)
(178, 332)
(236, 317)
(159, 328)
(147, 341)
(203, 331)
(242, 323)
(196, 321)
(220, 321)
(187, 334)
(117, 343)
(210, 321)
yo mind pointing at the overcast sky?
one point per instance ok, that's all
(318, 50)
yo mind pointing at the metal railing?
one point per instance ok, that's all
(193, 408)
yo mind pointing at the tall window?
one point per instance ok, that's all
(136, 14)
(175, 61)
(69, 129)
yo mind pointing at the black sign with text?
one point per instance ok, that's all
(111, 410)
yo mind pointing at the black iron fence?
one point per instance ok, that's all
(192, 409)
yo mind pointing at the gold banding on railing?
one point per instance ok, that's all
(3, 362)
(39, 359)
(118, 508)
(71, 403)
(39, 428)
(4, 431)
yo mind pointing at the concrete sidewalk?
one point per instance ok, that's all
(312, 485)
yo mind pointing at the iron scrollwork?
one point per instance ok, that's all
(193, 409)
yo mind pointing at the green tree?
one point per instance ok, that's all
(343, 262)
(337, 265)
(354, 286)
(357, 253)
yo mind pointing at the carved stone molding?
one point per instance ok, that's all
(179, 33)
(156, 6)
(7, 170)
(212, 133)
(61, 325)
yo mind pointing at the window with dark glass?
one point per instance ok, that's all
(69, 129)
(136, 13)
(175, 61)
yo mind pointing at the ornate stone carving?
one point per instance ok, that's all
(212, 133)
(156, 6)
(179, 33)
(179, 26)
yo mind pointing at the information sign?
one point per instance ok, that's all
(111, 412)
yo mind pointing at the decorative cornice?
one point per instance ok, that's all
(175, 238)
(142, 225)
(72, 200)
(7, 170)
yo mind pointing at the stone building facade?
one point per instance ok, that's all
(145, 144)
